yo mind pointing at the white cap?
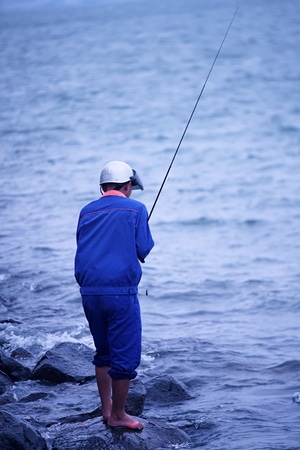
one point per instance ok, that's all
(120, 172)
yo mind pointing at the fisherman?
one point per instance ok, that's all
(113, 237)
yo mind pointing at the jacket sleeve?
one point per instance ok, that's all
(144, 240)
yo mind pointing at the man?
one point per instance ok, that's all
(113, 237)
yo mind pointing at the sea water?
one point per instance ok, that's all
(83, 83)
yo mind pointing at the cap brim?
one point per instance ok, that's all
(136, 181)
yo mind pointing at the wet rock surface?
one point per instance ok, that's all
(55, 405)
(166, 389)
(17, 434)
(65, 362)
(92, 434)
(15, 370)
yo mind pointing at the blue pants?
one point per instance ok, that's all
(115, 324)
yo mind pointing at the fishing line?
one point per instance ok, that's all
(194, 109)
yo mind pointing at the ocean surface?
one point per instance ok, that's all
(83, 83)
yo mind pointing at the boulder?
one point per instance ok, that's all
(4, 382)
(60, 400)
(136, 398)
(93, 434)
(21, 353)
(296, 397)
(14, 369)
(165, 389)
(65, 362)
(17, 434)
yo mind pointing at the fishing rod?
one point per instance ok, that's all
(190, 118)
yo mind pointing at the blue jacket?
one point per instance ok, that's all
(112, 236)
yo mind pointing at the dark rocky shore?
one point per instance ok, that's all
(55, 405)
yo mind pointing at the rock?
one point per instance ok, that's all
(4, 381)
(166, 389)
(60, 400)
(66, 361)
(17, 434)
(296, 397)
(33, 397)
(21, 353)
(136, 398)
(15, 370)
(93, 434)
(48, 404)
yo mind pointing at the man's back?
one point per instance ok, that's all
(112, 235)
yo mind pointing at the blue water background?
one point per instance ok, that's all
(86, 82)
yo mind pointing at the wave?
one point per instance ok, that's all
(287, 367)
